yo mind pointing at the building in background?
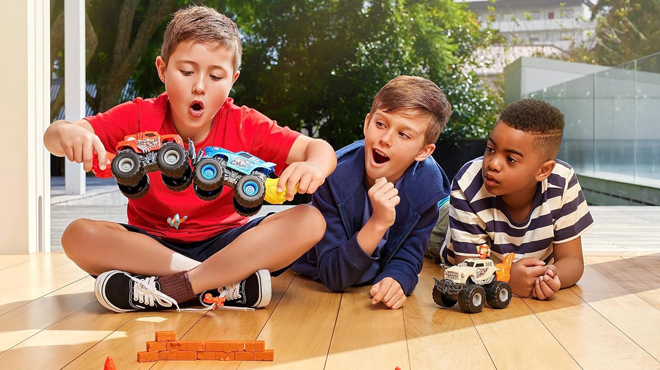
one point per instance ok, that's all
(532, 28)
(556, 23)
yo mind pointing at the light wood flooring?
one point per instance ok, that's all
(50, 319)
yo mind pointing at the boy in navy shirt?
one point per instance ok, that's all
(381, 203)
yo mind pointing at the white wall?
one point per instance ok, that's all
(25, 105)
(527, 75)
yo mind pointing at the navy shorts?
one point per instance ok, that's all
(202, 250)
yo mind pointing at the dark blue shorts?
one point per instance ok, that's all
(202, 250)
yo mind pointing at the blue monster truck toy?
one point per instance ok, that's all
(243, 172)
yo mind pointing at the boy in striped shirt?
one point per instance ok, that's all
(518, 198)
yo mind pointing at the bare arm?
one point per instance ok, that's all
(569, 261)
(75, 140)
(311, 162)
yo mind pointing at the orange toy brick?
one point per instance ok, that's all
(233, 345)
(167, 355)
(215, 346)
(255, 345)
(156, 346)
(165, 336)
(177, 346)
(267, 355)
(224, 356)
(186, 355)
(206, 355)
(244, 356)
(196, 345)
(147, 356)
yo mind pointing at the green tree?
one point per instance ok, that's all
(118, 35)
(625, 30)
(316, 65)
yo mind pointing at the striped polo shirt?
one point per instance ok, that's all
(559, 214)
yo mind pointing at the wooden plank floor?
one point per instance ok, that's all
(50, 319)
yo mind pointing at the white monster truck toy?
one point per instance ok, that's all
(475, 281)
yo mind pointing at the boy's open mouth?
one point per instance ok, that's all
(196, 108)
(380, 157)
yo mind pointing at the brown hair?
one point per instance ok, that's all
(417, 94)
(540, 119)
(202, 24)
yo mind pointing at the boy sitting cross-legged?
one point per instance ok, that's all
(149, 264)
(381, 203)
(518, 198)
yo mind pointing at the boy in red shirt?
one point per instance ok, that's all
(149, 264)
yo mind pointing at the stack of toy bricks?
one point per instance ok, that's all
(166, 347)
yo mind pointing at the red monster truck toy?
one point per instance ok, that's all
(145, 152)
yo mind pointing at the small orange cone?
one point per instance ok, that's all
(109, 364)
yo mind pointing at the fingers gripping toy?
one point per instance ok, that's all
(248, 175)
(146, 152)
(474, 281)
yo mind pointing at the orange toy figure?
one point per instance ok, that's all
(484, 251)
(214, 301)
(109, 364)
(504, 273)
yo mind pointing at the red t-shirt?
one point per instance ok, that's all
(234, 128)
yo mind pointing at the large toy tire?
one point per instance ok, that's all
(472, 298)
(498, 294)
(172, 160)
(136, 191)
(127, 168)
(178, 184)
(442, 299)
(206, 195)
(246, 211)
(250, 191)
(209, 174)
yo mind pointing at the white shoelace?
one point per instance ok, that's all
(145, 292)
(231, 292)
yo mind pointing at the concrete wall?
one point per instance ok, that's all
(24, 103)
(606, 192)
(528, 74)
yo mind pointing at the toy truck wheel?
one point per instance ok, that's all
(136, 191)
(498, 294)
(209, 174)
(472, 298)
(246, 211)
(206, 195)
(127, 168)
(250, 191)
(178, 184)
(442, 299)
(173, 160)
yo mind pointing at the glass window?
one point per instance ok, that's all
(551, 15)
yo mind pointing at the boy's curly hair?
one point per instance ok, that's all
(540, 119)
(417, 94)
(202, 24)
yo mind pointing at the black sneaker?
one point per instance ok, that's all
(120, 291)
(255, 292)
